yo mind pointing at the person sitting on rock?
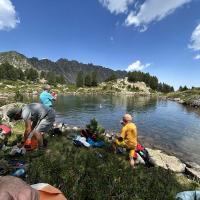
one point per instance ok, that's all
(38, 119)
(46, 98)
(128, 137)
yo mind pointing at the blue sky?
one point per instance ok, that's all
(155, 36)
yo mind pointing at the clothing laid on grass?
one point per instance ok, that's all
(46, 98)
(188, 195)
(129, 138)
(48, 192)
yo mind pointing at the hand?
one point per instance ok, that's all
(12, 188)
(120, 139)
(20, 145)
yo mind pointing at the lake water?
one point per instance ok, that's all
(161, 124)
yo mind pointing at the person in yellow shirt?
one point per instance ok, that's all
(128, 137)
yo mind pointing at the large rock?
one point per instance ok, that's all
(193, 170)
(4, 109)
(161, 159)
(195, 103)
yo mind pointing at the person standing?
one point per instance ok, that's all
(46, 98)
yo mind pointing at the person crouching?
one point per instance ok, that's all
(38, 120)
(128, 138)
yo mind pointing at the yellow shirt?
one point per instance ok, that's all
(129, 134)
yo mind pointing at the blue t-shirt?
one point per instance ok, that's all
(46, 99)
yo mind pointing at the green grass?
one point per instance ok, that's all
(82, 174)
(98, 174)
(186, 96)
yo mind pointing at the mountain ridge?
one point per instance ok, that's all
(68, 68)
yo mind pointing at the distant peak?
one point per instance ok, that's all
(62, 60)
(13, 53)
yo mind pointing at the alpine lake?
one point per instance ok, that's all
(162, 124)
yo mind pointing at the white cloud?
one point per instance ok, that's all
(195, 39)
(153, 10)
(138, 66)
(197, 57)
(8, 15)
(116, 6)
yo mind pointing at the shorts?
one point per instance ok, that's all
(46, 123)
(132, 153)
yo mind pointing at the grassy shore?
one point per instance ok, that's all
(98, 174)
(11, 91)
(187, 97)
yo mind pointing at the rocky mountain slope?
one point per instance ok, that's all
(68, 68)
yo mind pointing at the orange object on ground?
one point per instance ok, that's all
(48, 192)
(31, 144)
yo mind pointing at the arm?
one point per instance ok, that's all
(12, 188)
(28, 129)
(54, 95)
(51, 97)
(122, 135)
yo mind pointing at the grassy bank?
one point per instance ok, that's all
(12, 91)
(187, 96)
(98, 174)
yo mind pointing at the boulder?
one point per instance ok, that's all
(4, 109)
(35, 93)
(193, 170)
(177, 99)
(195, 103)
(163, 160)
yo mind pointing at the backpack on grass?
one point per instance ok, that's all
(144, 155)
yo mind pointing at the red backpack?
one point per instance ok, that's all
(5, 130)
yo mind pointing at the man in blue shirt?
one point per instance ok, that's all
(46, 98)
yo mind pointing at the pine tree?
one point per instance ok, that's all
(42, 74)
(20, 75)
(112, 77)
(94, 79)
(51, 78)
(31, 74)
(79, 80)
(60, 79)
(88, 81)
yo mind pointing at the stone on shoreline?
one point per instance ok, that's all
(165, 161)
(195, 103)
(193, 170)
(4, 109)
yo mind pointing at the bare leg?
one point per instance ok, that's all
(132, 162)
(39, 138)
(114, 147)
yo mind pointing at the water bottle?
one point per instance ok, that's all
(19, 173)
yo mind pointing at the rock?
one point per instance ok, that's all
(195, 103)
(193, 170)
(10, 86)
(168, 162)
(177, 99)
(75, 128)
(4, 109)
(192, 165)
(182, 101)
(35, 93)
(142, 87)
